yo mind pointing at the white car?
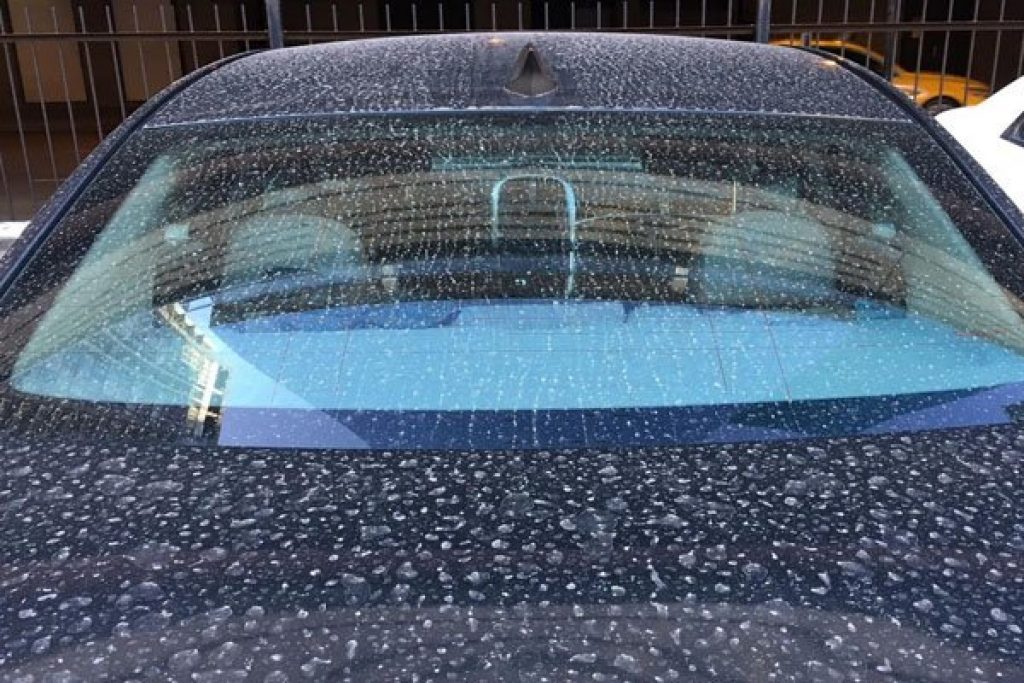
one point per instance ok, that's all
(993, 132)
(9, 232)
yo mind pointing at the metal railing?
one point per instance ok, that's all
(72, 70)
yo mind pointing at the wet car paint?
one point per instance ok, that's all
(891, 558)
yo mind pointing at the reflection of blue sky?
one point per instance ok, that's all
(525, 355)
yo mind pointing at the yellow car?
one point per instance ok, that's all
(934, 91)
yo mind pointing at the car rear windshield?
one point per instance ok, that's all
(519, 281)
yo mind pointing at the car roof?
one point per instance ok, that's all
(528, 70)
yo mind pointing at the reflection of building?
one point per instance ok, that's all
(208, 377)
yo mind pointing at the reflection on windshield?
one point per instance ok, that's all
(444, 268)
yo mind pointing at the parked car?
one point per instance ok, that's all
(935, 91)
(993, 132)
(516, 357)
(9, 232)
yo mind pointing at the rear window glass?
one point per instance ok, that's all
(522, 281)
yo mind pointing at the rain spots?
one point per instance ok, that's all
(115, 484)
(146, 591)
(627, 662)
(315, 667)
(754, 571)
(185, 660)
(838, 559)
(41, 645)
(853, 569)
(406, 571)
(371, 532)
(150, 622)
(18, 472)
(516, 504)
(226, 655)
(162, 488)
(584, 658)
(924, 605)
(213, 554)
(608, 71)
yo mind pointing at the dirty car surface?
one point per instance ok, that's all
(504, 363)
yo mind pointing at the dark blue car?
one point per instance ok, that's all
(516, 357)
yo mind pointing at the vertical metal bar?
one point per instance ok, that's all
(763, 32)
(572, 15)
(440, 16)
(520, 10)
(191, 30)
(494, 18)
(42, 99)
(650, 14)
(703, 13)
(387, 17)
(945, 52)
(7, 188)
(415, 18)
(67, 91)
(728, 20)
(117, 63)
(142, 57)
(1020, 58)
(625, 13)
(792, 20)
(892, 16)
(821, 18)
(871, 20)
(677, 14)
(275, 31)
(167, 43)
(216, 25)
(598, 15)
(8, 61)
(469, 18)
(547, 17)
(362, 19)
(920, 52)
(970, 52)
(309, 23)
(87, 49)
(846, 20)
(995, 52)
(245, 27)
